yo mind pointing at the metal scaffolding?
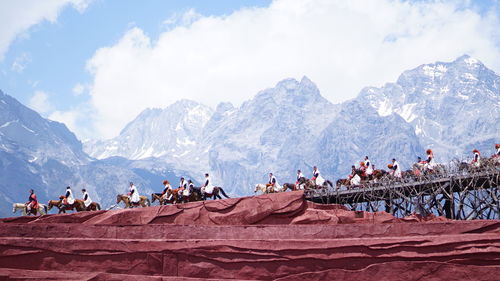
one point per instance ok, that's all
(459, 191)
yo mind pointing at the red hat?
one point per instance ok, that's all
(165, 182)
(429, 151)
(390, 166)
(475, 150)
(497, 145)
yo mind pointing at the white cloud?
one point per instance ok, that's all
(16, 17)
(78, 89)
(40, 102)
(21, 62)
(76, 119)
(341, 45)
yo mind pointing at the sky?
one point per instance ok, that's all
(96, 64)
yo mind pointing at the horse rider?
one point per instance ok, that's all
(273, 183)
(166, 191)
(86, 198)
(354, 178)
(300, 177)
(396, 169)
(476, 159)
(32, 203)
(497, 153)
(317, 178)
(207, 188)
(134, 194)
(69, 199)
(182, 186)
(430, 156)
(368, 167)
(353, 172)
(189, 187)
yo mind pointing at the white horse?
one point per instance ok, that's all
(262, 188)
(42, 208)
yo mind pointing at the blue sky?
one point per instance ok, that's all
(96, 64)
(56, 53)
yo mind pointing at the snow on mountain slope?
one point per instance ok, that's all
(274, 132)
(44, 155)
(452, 106)
(172, 134)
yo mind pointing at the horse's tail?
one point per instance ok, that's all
(148, 203)
(46, 209)
(223, 193)
(97, 206)
(329, 183)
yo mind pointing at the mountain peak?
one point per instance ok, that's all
(468, 60)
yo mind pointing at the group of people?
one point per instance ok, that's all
(184, 189)
(186, 186)
(317, 179)
(366, 169)
(68, 200)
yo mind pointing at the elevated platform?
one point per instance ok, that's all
(465, 195)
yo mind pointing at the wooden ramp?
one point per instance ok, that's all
(454, 193)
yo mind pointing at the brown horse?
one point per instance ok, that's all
(78, 205)
(343, 182)
(215, 193)
(94, 206)
(159, 197)
(287, 186)
(143, 201)
(310, 184)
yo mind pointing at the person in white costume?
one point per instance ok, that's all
(207, 188)
(368, 167)
(395, 168)
(273, 185)
(86, 198)
(477, 158)
(69, 199)
(300, 177)
(317, 178)
(187, 191)
(134, 194)
(429, 163)
(167, 191)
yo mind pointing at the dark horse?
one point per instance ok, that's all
(309, 184)
(215, 193)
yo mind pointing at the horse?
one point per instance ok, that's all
(42, 209)
(310, 184)
(159, 197)
(262, 188)
(143, 201)
(78, 205)
(287, 186)
(379, 174)
(94, 206)
(215, 193)
(343, 182)
(194, 195)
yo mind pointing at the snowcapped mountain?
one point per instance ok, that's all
(360, 131)
(453, 107)
(450, 107)
(44, 155)
(273, 132)
(172, 134)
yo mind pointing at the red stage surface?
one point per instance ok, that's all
(268, 237)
